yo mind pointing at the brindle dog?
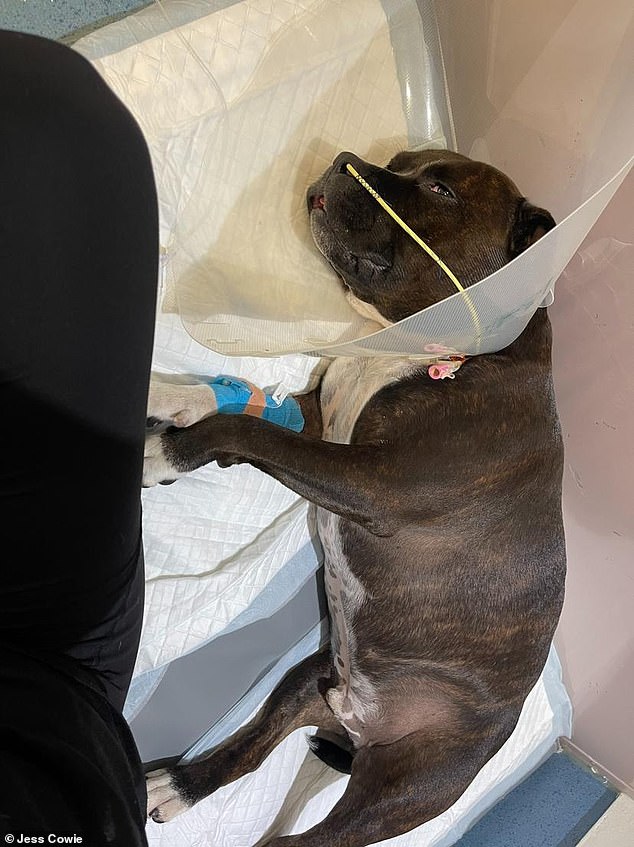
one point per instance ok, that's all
(439, 510)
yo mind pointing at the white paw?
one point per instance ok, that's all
(156, 468)
(163, 799)
(181, 404)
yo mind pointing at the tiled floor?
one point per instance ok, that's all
(615, 828)
(562, 804)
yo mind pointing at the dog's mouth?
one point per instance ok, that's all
(326, 235)
(346, 246)
(346, 262)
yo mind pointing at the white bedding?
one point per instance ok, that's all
(216, 539)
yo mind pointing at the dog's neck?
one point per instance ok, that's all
(443, 363)
(535, 342)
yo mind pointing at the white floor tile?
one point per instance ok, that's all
(615, 828)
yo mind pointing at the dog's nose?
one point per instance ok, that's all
(339, 164)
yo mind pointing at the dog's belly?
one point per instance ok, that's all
(347, 386)
(352, 699)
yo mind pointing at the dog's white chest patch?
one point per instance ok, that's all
(346, 388)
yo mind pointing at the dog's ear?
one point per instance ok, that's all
(528, 227)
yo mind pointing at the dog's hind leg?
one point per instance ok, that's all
(294, 703)
(394, 788)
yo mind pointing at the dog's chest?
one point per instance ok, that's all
(347, 386)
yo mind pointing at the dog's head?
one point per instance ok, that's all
(469, 213)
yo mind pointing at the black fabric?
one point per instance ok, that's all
(78, 272)
(69, 763)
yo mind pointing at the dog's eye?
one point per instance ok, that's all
(439, 188)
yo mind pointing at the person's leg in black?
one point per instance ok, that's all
(78, 273)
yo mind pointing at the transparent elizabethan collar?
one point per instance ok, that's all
(247, 276)
(248, 104)
(504, 302)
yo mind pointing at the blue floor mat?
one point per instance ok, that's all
(59, 19)
(554, 807)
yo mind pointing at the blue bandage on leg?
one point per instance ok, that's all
(238, 397)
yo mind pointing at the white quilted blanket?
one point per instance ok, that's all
(215, 539)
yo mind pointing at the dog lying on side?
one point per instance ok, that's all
(439, 511)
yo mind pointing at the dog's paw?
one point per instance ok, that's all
(164, 800)
(180, 404)
(157, 469)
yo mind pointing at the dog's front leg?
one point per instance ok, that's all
(354, 481)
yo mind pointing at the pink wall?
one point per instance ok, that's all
(593, 320)
(542, 91)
